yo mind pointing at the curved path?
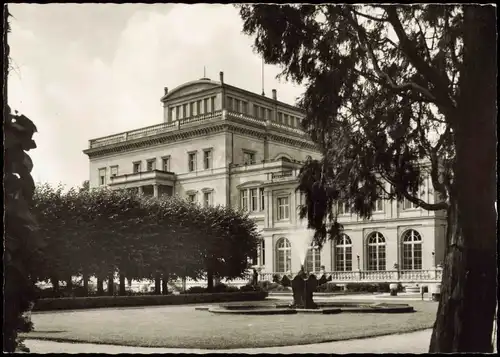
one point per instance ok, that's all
(414, 342)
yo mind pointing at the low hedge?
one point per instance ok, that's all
(144, 300)
(372, 288)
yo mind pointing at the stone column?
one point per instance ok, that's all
(140, 190)
(155, 190)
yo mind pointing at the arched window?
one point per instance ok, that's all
(412, 250)
(343, 253)
(283, 255)
(376, 251)
(313, 259)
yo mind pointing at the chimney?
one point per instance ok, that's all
(221, 75)
(274, 94)
(166, 90)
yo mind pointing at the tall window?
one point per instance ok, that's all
(102, 177)
(165, 164)
(191, 197)
(248, 158)
(191, 109)
(313, 259)
(254, 199)
(137, 167)
(212, 102)
(256, 111)
(205, 106)
(379, 203)
(172, 114)
(263, 252)
(283, 208)
(207, 159)
(151, 165)
(408, 204)
(280, 118)
(376, 251)
(207, 199)
(283, 255)
(412, 250)
(244, 107)
(244, 200)
(230, 103)
(262, 113)
(178, 112)
(269, 114)
(114, 170)
(185, 111)
(285, 120)
(192, 161)
(343, 253)
(343, 208)
(198, 107)
(262, 199)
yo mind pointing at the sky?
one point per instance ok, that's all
(86, 71)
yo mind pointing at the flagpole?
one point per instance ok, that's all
(263, 93)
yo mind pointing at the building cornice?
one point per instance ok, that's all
(201, 131)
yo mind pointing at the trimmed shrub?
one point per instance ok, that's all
(248, 288)
(223, 288)
(145, 300)
(196, 290)
(328, 288)
(286, 281)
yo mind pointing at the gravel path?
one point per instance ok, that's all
(415, 342)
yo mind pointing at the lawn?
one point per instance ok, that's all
(183, 327)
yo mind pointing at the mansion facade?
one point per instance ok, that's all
(219, 144)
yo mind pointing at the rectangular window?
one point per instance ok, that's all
(379, 204)
(244, 107)
(248, 158)
(230, 103)
(151, 165)
(192, 197)
(165, 164)
(114, 171)
(256, 111)
(343, 208)
(207, 199)
(262, 113)
(244, 200)
(263, 252)
(280, 118)
(198, 107)
(269, 114)
(205, 106)
(191, 109)
(292, 122)
(285, 121)
(212, 102)
(262, 199)
(408, 204)
(207, 159)
(177, 112)
(192, 161)
(254, 200)
(185, 111)
(102, 177)
(172, 114)
(283, 208)
(137, 167)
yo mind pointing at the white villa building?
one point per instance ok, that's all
(219, 144)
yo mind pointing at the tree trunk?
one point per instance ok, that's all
(100, 286)
(69, 284)
(468, 296)
(158, 284)
(210, 280)
(122, 285)
(111, 285)
(55, 284)
(86, 278)
(164, 285)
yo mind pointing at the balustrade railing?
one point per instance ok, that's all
(179, 124)
(410, 276)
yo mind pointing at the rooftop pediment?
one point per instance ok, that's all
(190, 88)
